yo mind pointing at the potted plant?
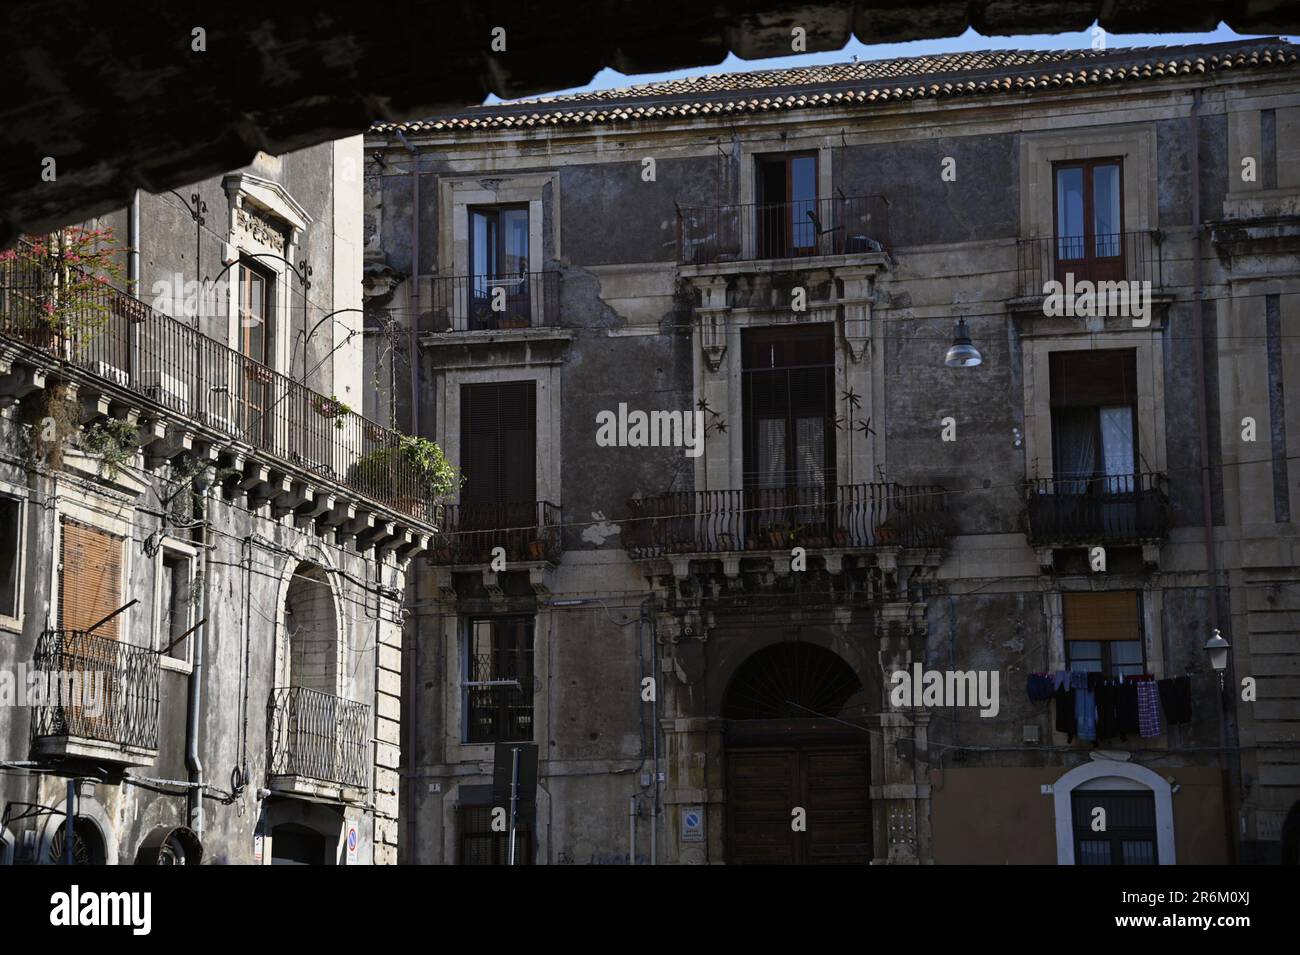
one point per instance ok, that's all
(331, 407)
(380, 472)
(840, 536)
(536, 549)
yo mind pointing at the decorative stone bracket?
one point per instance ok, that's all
(856, 302)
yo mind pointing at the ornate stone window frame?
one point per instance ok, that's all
(261, 212)
(1134, 143)
(1149, 346)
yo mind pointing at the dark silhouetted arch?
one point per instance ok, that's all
(790, 681)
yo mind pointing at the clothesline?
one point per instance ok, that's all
(1094, 706)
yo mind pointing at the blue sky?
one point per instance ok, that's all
(970, 40)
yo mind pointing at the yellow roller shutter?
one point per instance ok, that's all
(90, 584)
(1102, 616)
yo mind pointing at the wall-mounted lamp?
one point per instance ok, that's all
(962, 354)
(1218, 648)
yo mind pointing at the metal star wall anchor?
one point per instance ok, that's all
(720, 425)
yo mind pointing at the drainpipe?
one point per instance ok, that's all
(1227, 735)
(133, 245)
(194, 696)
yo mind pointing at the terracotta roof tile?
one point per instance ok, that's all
(861, 83)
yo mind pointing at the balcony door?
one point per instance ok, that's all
(1094, 420)
(1095, 453)
(787, 217)
(256, 344)
(498, 261)
(498, 438)
(789, 437)
(90, 588)
(1089, 220)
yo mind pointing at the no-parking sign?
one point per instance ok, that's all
(353, 840)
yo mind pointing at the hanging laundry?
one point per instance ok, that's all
(1040, 687)
(1128, 711)
(1085, 710)
(1176, 698)
(1107, 711)
(1066, 721)
(1061, 680)
(1148, 708)
(1078, 679)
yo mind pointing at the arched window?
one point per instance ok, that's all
(311, 630)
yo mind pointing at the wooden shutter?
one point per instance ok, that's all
(1102, 616)
(90, 584)
(498, 433)
(1090, 379)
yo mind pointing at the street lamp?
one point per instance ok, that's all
(1218, 648)
(962, 354)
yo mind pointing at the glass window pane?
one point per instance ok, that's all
(1083, 655)
(803, 201)
(1138, 852)
(1069, 212)
(482, 242)
(1093, 852)
(514, 228)
(1126, 651)
(1105, 209)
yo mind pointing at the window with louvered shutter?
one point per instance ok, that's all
(1103, 632)
(90, 581)
(498, 438)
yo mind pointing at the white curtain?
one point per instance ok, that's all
(1117, 448)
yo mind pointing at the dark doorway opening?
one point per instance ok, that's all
(791, 746)
(292, 844)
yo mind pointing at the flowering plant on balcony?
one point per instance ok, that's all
(60, 285)
(331, 407)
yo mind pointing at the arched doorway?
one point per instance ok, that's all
(791, 744)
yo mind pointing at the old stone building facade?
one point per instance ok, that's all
(702, 634)
(208, 533)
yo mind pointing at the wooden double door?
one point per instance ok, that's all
(765, 783)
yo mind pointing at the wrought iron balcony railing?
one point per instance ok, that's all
(316, 736)
(1128, 508)
(1116, 257)
(99, 689)
(849, 516)
(478, 303)
(106, 333)
(468, 533)
(842, 225)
